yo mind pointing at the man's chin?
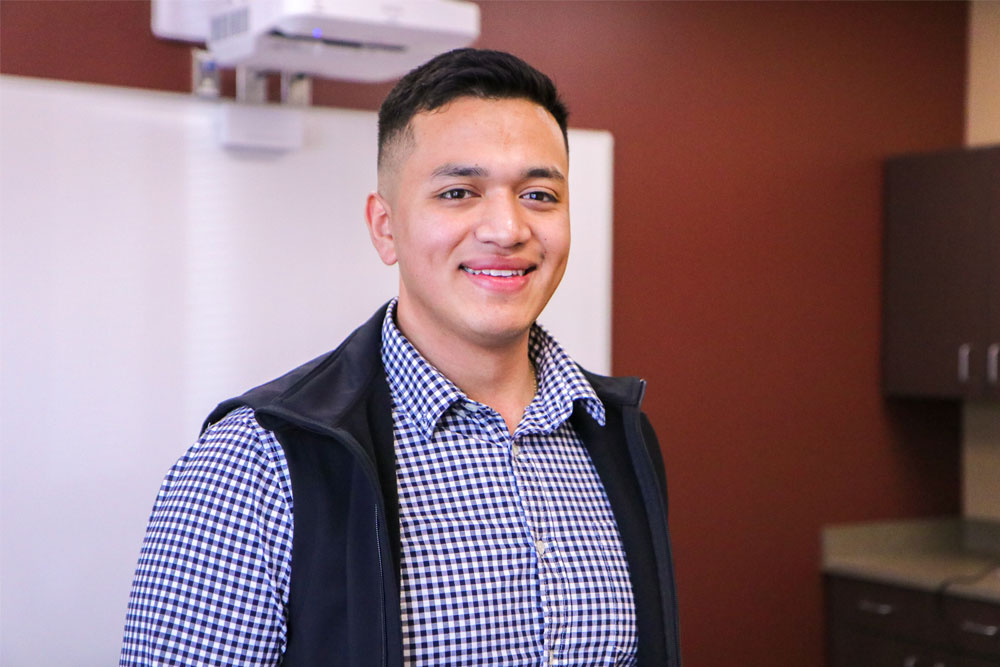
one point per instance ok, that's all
(494, 332)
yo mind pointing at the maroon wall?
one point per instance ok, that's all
(747, 258)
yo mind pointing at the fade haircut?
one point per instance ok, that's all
(481, 73)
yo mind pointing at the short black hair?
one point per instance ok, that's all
(478, 73)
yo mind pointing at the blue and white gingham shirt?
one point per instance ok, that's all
(510, 551)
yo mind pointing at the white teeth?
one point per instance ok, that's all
(496, 273)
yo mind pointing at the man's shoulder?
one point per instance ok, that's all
(235, 442)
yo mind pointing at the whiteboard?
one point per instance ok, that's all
(147, 273)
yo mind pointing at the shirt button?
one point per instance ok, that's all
(515, 451)
(541, 546)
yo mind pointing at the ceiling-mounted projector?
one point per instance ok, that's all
(357, 40)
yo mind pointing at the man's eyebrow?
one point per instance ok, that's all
(452, 170)
(544, 172)
(461, 170)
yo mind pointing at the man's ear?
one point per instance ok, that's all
(378, 216)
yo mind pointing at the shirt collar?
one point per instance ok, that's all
(560, 384)
(417, 388)
(426, 394)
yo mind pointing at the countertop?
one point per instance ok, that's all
(958, 556)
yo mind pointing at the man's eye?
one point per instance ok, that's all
(456, 193)
(538, 195)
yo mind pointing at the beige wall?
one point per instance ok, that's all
(982, 122)
(981, 445)
(981, 461)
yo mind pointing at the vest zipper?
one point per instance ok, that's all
(381, 585)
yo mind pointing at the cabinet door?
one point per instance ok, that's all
(993, 341)
(938, 272)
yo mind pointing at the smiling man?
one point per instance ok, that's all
(446, 487)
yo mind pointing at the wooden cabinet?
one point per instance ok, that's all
(941, 306)
(878, 625)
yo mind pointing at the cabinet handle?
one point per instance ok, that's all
(877, 608)
(993, 364)
(964, 350)
(979, 629)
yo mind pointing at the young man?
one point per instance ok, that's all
(446, 487)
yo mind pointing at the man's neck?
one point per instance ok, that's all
(500, 376)
(505, 382)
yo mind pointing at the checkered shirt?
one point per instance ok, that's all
(511, 555)
(510, 551)
(212, 580)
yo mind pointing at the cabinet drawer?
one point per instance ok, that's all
(885, 609)
(973, 626)
(849, 647)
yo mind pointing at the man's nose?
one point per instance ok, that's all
(503, 221)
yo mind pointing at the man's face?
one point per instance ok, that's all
(476, 211)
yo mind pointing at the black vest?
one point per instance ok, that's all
(333, 419)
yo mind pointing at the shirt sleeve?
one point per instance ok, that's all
(212, 580)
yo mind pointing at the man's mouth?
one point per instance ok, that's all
(496, 273)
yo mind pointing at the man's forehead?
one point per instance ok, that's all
(459, 108)
(468, 124)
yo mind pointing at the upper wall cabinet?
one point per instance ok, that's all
(941, 317)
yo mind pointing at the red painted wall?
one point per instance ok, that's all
(747, 258)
